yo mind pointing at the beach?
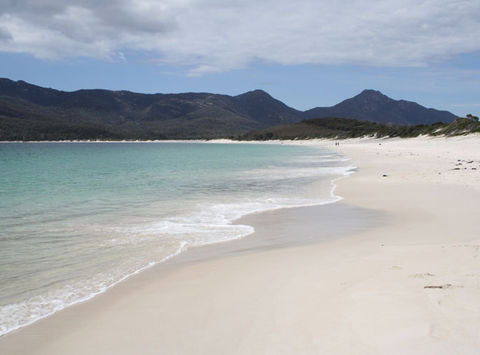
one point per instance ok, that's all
(401, 274)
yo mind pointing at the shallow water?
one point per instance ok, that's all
(77, 218)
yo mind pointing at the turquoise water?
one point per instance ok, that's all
(76, 218)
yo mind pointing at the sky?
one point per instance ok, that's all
(306, 53)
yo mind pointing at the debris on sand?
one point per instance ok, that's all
(439, 286)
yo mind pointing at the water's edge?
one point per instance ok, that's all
(184, 247)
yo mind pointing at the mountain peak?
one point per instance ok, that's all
(372, 105)
(256, 93)
(372, 93)
(266, 109)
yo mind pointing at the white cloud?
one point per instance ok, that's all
(216, 35)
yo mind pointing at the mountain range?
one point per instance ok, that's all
(30, 112)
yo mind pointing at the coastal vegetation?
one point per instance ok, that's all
(341, 128)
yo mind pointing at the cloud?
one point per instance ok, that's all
(4, 34)
(215, 35)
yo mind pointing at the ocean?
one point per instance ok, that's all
(77, 218)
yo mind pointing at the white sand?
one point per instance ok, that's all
(360, 294)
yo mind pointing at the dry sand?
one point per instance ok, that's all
(361, 293)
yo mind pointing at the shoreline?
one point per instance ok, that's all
(266, 221)
(199, 251)
(208, 251)
(362, 293)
